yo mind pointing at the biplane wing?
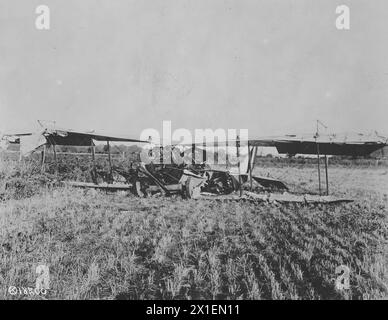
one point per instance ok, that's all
(29, 141)
(80, 138)
(72, 137)
(335, 144)
(330, 144)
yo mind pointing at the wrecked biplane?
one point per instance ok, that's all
(199, 179)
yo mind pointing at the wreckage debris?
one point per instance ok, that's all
(275, 198)
(294, 198)
(201, 183)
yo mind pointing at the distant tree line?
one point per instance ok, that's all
(101, 148)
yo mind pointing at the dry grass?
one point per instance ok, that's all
(362, 184)
(106, 246)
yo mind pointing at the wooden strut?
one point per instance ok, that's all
(252, 162)
(327, 174)
(319, 170)
(250, 151)
(110, 161)
(254, 158)
(94, 161)
(193, 153)
(156, 180)
(204, 151)
(226, 154)
(238, 163)
(43, 158)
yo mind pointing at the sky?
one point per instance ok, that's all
(270, 66)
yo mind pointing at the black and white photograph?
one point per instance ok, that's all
(192, 155)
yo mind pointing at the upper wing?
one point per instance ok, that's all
(344, 144)
(29, 141)
(79, 138)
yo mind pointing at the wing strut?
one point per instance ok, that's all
(93, 151)
(238, 163)
(327, 174)
(251, 164)
(193, 153)
(43, 157)
(110, 162)
(319, 169)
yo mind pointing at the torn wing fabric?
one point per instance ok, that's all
(30, 143)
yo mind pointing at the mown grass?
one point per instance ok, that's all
(110, 246)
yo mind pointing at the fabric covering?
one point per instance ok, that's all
(31, 142)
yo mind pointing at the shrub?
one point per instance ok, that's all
(22, 179)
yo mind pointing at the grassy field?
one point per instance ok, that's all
(115, 246)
